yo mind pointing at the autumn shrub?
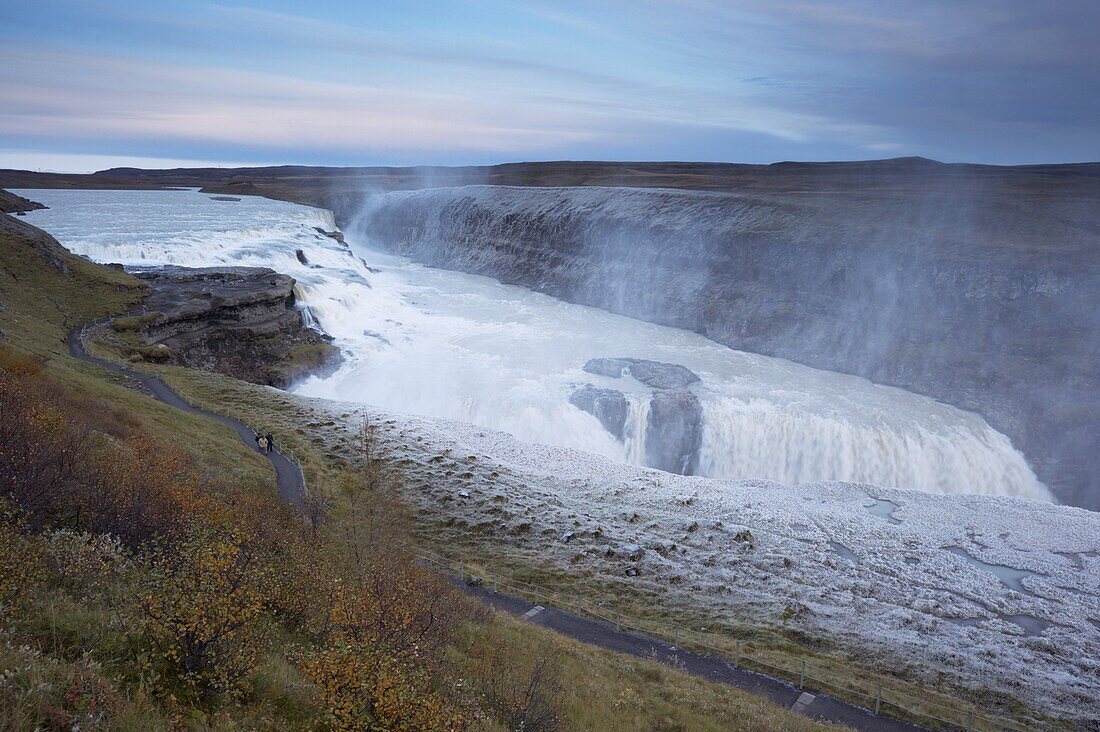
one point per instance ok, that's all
(379, 663)
(22, 565)
(42, 447)
(68, 460)
(39, 692)
(520, 688)
(138, 489)
(363, 687)
(86, 564)
(203, 609)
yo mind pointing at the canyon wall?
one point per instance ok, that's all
(969, 291)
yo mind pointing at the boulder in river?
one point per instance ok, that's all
(334, 235)
(674, 431)
(607, 405)
(657, 374)
(674, 426)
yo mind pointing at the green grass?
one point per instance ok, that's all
(41, 305)
(609, 691)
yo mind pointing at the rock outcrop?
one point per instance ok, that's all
(334, 235)
(674, 425)
(239, 321)
(13, 204)
(607, 405)
(674, 431)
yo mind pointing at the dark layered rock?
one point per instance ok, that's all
(651, 373)
(607, 405)
(674, 427)
(674, 431)
(239, 321)
(334, 235)
(13, 204)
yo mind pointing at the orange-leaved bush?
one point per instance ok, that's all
(203, 605)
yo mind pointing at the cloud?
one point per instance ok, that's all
(55, 162)
(95, 96)
(992, 80)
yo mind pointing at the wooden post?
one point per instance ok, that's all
(618, 624)
(736, 653)
(970, 722)
(878, 698)
(802, 675)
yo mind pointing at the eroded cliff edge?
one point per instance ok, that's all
(238, 321)
(970, 293)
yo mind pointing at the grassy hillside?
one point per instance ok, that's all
(150, 579)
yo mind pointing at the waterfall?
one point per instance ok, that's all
(634, 429)
(755, 438)
(465, 347)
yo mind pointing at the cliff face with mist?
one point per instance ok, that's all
(972, 291)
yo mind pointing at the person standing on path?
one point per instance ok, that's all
(262, 442)
(270, 443)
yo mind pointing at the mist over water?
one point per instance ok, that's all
(464, 347)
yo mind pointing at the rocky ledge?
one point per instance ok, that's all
(238, 321)
(13, 204)
(42, 243)
(674, 423)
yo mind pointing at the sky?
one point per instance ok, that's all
(89, 84)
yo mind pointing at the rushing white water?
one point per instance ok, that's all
(465, 347)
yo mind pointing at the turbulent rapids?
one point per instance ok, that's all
(447, 344)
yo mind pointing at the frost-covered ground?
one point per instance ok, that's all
(1001, 592)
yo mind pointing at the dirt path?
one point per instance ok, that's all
(292, 488)
(599, 633)
(288, 478)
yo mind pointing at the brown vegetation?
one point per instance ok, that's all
(205, 577)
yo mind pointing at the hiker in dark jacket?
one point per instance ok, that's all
(270, 443)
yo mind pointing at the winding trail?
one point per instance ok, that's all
(292, 488)
(288, 478)
(820, 707)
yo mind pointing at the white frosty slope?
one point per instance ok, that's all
(856, 570)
